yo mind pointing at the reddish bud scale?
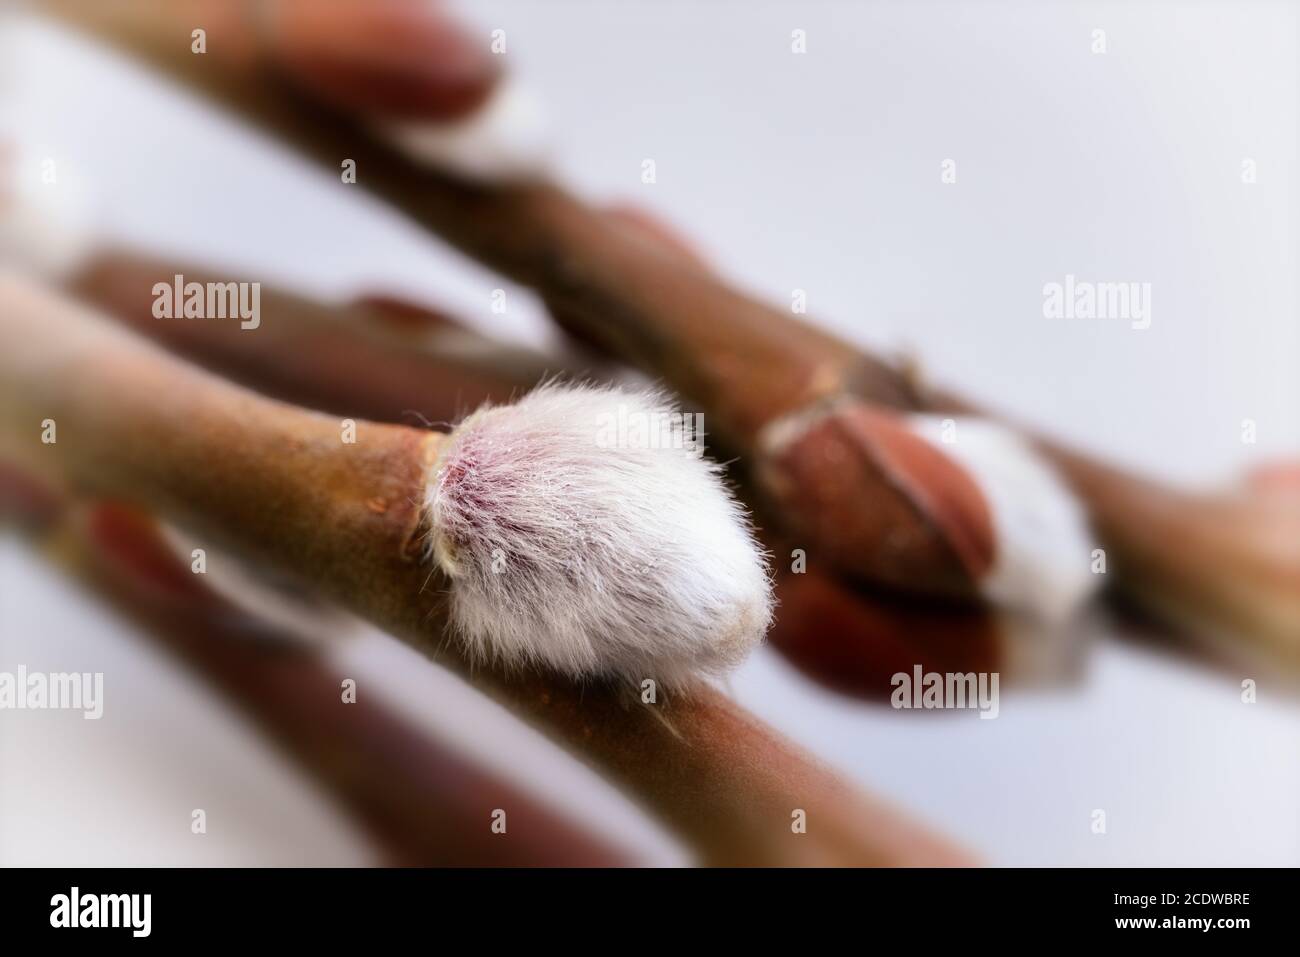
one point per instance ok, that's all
(869, 495)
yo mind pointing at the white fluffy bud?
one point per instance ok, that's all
(1043, 543)
(505, 139)
(582, 532)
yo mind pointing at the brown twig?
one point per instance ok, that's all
(378, 360)
(276, 484)
(1221, 566)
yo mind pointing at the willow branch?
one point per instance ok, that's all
(378, 359)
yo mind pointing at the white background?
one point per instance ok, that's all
(820, 172)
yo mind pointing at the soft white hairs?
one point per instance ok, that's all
(506, 138)
(1044, 547)
(582, 533)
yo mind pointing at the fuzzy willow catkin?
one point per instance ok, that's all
(582, 530)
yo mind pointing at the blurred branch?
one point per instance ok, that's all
(379, 360)
(1222, 567)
